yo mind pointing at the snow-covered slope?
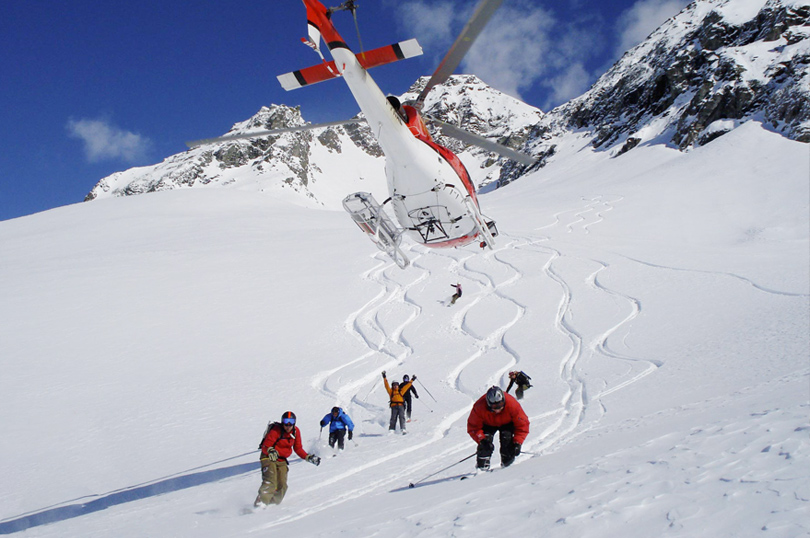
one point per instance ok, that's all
(659, 301)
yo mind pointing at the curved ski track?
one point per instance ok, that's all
(379, 326)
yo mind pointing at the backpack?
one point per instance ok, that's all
(266, 431)
(523, 381)
(270, 426)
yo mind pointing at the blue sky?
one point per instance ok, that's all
(90, 88)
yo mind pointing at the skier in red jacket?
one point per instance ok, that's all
(497, 412)
(280, 440)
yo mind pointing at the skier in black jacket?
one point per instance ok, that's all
(407, 396)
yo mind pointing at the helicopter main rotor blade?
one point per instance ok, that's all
(261, 134)
(480, 141)
(459, 49)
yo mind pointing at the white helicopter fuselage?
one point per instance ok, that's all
(422, 183)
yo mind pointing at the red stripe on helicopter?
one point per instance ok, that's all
(319, 17)
(368, 59)
(419, 130)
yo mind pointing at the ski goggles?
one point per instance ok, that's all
(288, 421)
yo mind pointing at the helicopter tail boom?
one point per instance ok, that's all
(372, 58)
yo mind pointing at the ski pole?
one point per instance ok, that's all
(426, 389)
(426, 405)
(413, 484)
(373, 386)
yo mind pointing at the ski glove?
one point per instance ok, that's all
(272, 455)
(313, 459)
(517, 449)
(350, 435)
(383, 374)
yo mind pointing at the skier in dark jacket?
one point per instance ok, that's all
(280, 440)
(523, 382)
(338, 422)
(407, 396)
(456, 296)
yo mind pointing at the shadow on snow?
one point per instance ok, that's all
(133, 493)
(432, 482)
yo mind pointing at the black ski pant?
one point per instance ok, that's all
(408, 404)
(337, 437)
(487, 445)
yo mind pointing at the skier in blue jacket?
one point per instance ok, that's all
(338, 421)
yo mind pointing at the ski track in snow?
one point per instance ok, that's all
(585, 217)
(721, 274)
(379, 325)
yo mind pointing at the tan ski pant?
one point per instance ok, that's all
(274, 481)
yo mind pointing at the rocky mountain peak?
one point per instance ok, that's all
(272, 117)
(712, 62)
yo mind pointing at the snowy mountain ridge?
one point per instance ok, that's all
(323, 165)
(717, 64)
(712, 66)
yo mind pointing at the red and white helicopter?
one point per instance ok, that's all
(430, 190)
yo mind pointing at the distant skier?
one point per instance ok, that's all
(338, 422)
(280, 439)
(456, 296)
(397, 403)
(406, 395)
(523, 382)
(497, 412)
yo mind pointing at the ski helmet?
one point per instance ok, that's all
(495, 398)
(288, 418)
(395, 384)
(405, 378)
(335, 410)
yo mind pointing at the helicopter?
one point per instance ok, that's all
(430, 191)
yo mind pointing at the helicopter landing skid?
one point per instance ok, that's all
(486, 228)
(370, 217)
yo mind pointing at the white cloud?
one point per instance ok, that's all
(512, 52)
(103, 141)
(507, 55)
(571, 82)
(432, 22)
(638, 22)
(525, 48)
